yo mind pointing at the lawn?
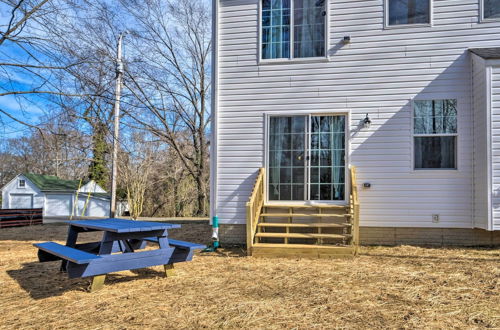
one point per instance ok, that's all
(385, 287)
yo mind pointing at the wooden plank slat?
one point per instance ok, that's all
(67, 253)
(20, 217)
(323, 206)
(122, 225)
(300, 235)
(298, 246)
(315, 215)
(305, 225)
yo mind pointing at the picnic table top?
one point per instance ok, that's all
(122, 225)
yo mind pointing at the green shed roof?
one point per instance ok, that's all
(53, 183)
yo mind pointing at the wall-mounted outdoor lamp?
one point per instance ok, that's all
(367, 122)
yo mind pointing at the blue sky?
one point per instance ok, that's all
(26, 108)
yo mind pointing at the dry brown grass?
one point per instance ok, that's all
(400, 287)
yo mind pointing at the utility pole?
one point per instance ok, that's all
(118, 90)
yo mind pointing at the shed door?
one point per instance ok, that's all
(21, 201)
(58, 205)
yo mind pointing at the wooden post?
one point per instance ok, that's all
(354, 211)
(356, 228)
(169, 270)
(249, 228)
(97, 282)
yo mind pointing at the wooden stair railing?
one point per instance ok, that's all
(354, 209)
(257, 210)
(254, 208)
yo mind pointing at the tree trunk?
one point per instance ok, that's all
(202, 196)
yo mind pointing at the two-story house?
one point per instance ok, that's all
(405, 91)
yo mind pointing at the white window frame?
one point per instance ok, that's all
(414, 135)
(399, 26)
(291, 59)
(347, 175)
(481, 14)
(19, 183)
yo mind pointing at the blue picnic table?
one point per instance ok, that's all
(121, 248)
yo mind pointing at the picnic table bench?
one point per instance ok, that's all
(119, 249)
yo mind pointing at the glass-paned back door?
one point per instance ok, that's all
(306, 158)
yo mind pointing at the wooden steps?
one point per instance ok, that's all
(304, 225)
(304, 215)
(301, 235)
(269, 250)
(314, 230)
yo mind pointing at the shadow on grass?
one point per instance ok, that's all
(44, 280)
(228, 252)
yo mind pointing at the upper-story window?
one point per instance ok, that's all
(293, 29)
(491, 9)
(21, 183)
(435, 134)
(406, 12)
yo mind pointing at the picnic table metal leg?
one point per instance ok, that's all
(169, 270)
(97, 282)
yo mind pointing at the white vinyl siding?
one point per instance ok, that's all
(91, 207)
(98, 208)
(481, 135)
(495, 143)
(379, 73)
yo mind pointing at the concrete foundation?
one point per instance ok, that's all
(236, 234)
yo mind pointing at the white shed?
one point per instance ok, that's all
(56, 196)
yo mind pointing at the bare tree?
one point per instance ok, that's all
(26, 66)
(62, 152)
(135, 168)
(135, 176)
(170, 85)
(67, 57)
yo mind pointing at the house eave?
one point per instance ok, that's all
(488, 53)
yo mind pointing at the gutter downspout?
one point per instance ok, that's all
(213, 129)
